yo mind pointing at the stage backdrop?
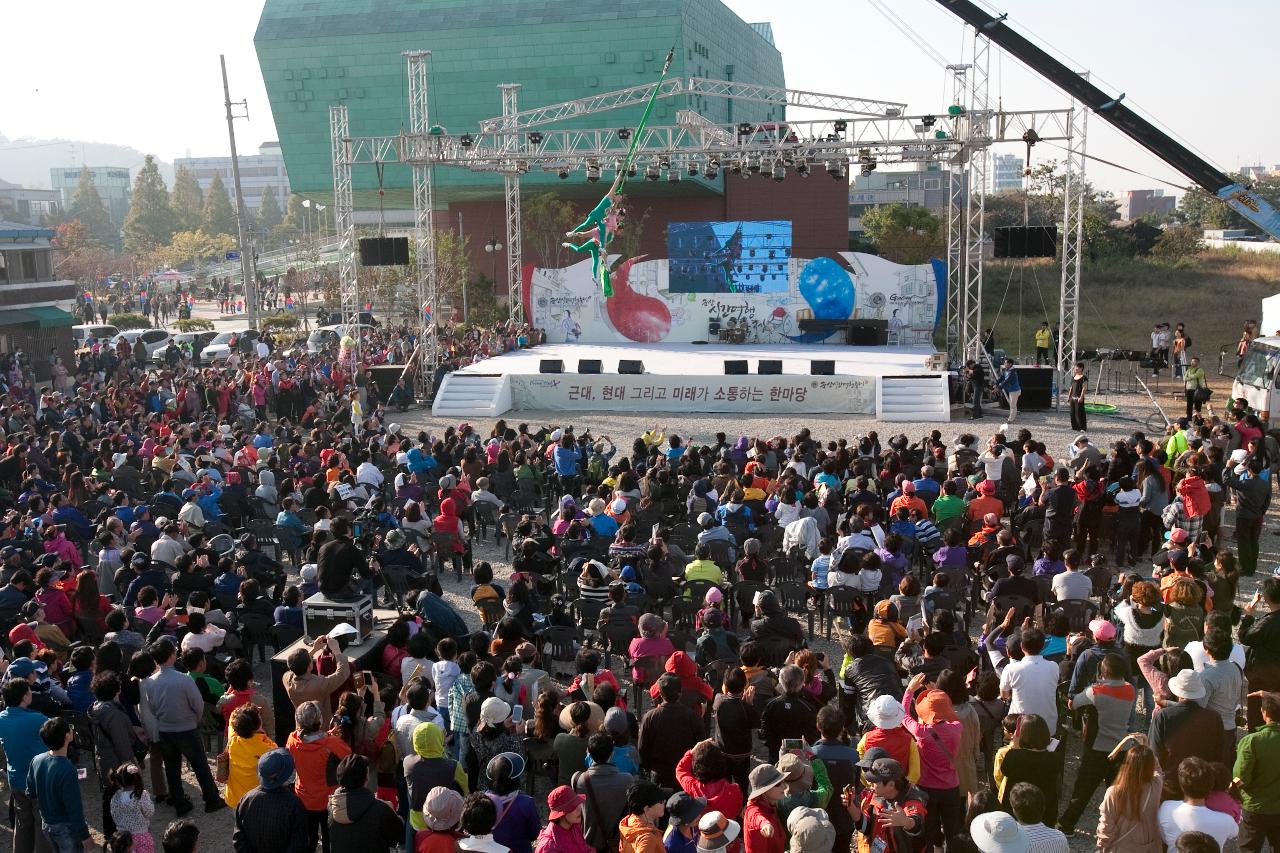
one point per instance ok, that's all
(648, 393)
(569, 305)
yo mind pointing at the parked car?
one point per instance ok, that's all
(197, 341)
(153, 339)
(218, 350)
(83, 332)
(328, 336)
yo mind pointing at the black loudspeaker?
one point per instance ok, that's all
(822, 368)
(384, 251)
(590, 365)
(735, 368)
(1037, 388)
(631, 366)
(1033, 241)
(769, 367)
(551, 365)
(868, 333)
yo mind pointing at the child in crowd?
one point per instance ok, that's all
(131, 806)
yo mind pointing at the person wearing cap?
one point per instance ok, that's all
(931, 720)
(889, 814)
(1186, 728)
(518, 821)
(683, 811)
(270, 818)
(717, 832)
(762, 829)
(667, 731)
(441, 812)
(147, 574)
(563, 832)
(428, 768)
(638, 832)
(358, 821)
(909, 501)
(1088, 661)
(804, 784)
(1112, 700)
(20, 737)
(495, 734)
(999, 832)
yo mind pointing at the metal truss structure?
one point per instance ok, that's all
(867, 133)
(1072, 244)
(424, 232)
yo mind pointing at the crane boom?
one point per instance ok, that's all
(1112, 110)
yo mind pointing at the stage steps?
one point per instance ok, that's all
(472, 395)
(924, 397)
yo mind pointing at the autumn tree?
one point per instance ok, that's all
(149, 223)
(219, 216)
(187, 201)
(196, 248)
(88, 209)
(545, 219)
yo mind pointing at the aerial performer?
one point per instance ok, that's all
(607, 217)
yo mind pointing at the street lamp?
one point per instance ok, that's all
(493, 247)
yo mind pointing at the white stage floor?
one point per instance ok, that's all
(708, 359)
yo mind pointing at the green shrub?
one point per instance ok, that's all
(279, 322)
(194, 325)
(128, 320)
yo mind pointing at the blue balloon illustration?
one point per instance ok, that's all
(828, 289)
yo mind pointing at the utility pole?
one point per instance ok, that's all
(247, 261)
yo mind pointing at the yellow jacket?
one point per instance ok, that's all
(1043, 338)
(244, 754)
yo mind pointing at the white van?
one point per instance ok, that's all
(83, 332)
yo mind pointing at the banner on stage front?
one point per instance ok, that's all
(681, 300)
(645, 393)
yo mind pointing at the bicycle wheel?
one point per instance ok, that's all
(1155, 423)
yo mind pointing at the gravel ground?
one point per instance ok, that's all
(1051, 427)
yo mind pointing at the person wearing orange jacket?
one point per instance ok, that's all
(312, 749)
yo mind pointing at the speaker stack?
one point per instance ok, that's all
(1037, 388)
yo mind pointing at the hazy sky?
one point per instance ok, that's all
(145, 73)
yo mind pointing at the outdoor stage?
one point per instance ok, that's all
(681, 377)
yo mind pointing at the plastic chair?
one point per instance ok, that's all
(559, 646)
(617, 641)
(491, 611)
(847, 602)
(651, 669)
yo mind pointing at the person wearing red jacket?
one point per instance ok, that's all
(680, 664)
(761, 828)
(703, 772)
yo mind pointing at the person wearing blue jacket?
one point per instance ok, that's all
(53, 784)
(1008, 382)
(20, 737)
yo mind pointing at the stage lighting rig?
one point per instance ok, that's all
(563, 174)
(466, 140)
(779, 170)
(841, 125)
(803, 169)
(712, 170)
(593, 171)
(651, 172)
(673, 176)
(535, 137)
(693, 169)
(624, 133)
(753, 164)
(744, 128)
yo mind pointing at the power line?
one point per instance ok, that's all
(915, 38)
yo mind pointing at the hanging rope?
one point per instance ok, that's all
(378, 167)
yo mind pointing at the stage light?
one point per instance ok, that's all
(693, 170)
(841, 125)
(673, 176)
(535, 138)
(651, 172)
(835, 168)
(735, 166)
(955, 110)
(803, 169)
(929, 121)
(624, 133)
(712, 170)
(779, 170)
(744, 128)
(631, 171)
(593, 172)
(466, 140)
(564, 174)
(753, 165)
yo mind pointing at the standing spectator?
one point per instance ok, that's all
(1128, 820)
(1222, 683)
(563, 832)
(1260, 635)
(841, 762)
(668, 731)
(1043, 338)
(794, 714)
(303, 684)
(1027, 802)
(703, 772)
(20, 737)
(1112, 702)
(890, 813)
(52, 784)
(518, 820)
(1075, 396)
(937, 732)
(1195, 780)
(1257, 767)
(270, 818)
(604, 789)
(181, 836)
(441, 812)
(1193, 380)
(1253, 496)
(313, 751)
(359, 822)
(171, 712)
(1030, 685)
(646, 803)
(428, 768)
(1186, 729)
(246, 744)
(761, 828)
(1008, 382)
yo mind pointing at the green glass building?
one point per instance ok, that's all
(314, 53)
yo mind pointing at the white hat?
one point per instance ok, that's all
(998, 832)
(494, 711)
(557, 434)
(309, 571)
(118, 459)
(225, 429)
(717, 831)
(393, 429)
(1187, 684)
(885, 712)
